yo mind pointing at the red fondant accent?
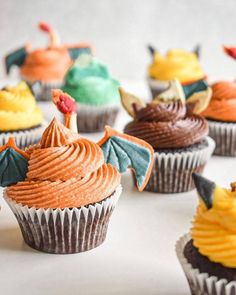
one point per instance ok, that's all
(66, 104)
(230, 51)
(45, 27)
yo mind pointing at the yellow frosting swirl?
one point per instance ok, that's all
(214, 229)
(177, 64)
(18, 109)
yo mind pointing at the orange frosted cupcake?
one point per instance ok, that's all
(63, 190)
(221, 115)
(45, 68)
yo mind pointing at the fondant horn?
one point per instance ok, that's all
(16, 57)
(151, 49)
(197, 50)
(205, 189)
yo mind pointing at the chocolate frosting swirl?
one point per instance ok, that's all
(167, 125)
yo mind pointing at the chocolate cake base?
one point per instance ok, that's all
(206, 266)
(68, 230)
(224, 135)
(173, 168)
(96, 122)
(24, 137)
(66, 236)
(19, 130)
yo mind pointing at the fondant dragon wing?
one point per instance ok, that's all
(192, 88)
(13, 164)
(16, 58)
(124, 151)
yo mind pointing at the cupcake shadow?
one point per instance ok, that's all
(11, 240)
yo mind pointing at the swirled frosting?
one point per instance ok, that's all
(64, 171)
(177, 64)
(222, 106)
(214, 229)
(167, 125)
(89, 82)
(49, 64)
(18, 109)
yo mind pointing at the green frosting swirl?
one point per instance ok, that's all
(89, 82)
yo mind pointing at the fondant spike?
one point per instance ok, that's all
(205, 189)
(197, 50)
(152, 50)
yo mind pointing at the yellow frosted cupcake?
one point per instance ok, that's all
(176, 64)
(19, 115)
(207, 254)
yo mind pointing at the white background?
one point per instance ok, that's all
(138, 256)
(120, 29)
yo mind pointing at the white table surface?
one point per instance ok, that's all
(137, 257)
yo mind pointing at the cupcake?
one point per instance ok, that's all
(89, 82)
(20, 117)
(63, 190)
(177, 135)
(45, 68)
(207, 254)
(177, 64)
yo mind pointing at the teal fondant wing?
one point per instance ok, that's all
(123, 151)
(192, 88)
(75, 52)
(15, 58)
(13, 167)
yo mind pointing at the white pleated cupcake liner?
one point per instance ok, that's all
(224, 135)
(202, 283)
(43, 90)
(157, 86)
(24, 138)
(172, 172)
(95, 118)
(64, 231)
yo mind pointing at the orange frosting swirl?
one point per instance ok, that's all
(50, 64)
(222, 106)
(64, 171)
(75, 160)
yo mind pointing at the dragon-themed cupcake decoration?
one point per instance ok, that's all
(65, 187)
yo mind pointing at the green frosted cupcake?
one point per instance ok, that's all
(89, 82)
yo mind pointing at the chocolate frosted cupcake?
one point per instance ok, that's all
(221, 116)
(177, 64)
(45, 68)
(20, 116)
(179, 139)
(207, 254)
(89, 82)
(63, 190)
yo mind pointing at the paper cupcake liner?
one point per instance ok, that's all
(95, 118)
(172, 172)
(157, 86)
(224, 135)
(24, 138)
(202, 283)
(64, 231)
(42, 90)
